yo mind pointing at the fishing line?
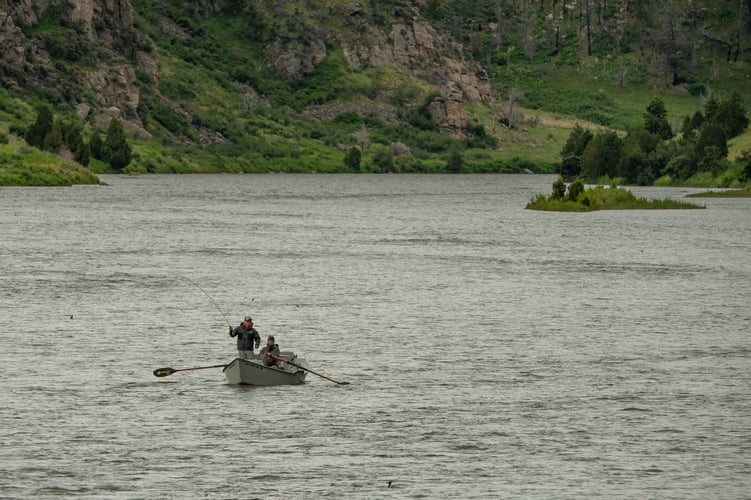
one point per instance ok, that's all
(212, 301)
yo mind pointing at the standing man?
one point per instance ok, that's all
(246, 337)
(270, 349)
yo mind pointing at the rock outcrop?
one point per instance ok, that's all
(102, 32)
(99, 29)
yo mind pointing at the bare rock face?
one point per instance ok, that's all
(411, 44)
(105, 23)
(293, 59)
(415, 46)
(448, 111)
(117, 85)
(11, 42)
(24, 11)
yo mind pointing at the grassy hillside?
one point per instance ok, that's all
(217, 106)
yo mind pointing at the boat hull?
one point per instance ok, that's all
(253, 372)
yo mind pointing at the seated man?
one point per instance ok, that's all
(270, 349)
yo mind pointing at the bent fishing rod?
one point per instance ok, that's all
(212, 301)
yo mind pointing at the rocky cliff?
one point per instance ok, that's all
(88, 59)
(94, 63)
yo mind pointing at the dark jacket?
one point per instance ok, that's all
(266, 352)
(246, 338)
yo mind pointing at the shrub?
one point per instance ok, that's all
(455, 162)
(574, 190)
(352, 158)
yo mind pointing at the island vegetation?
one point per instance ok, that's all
(576, 198)
(728, 193)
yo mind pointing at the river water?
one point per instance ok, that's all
(491, 351)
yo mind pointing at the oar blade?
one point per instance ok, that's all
(163, 372)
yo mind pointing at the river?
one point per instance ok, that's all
(491, 351)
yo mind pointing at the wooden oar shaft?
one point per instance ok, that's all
(200, 368)
(163, 372)
(307, 370)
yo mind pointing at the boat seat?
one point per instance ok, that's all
(288, 355)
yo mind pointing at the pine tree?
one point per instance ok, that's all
(116, 148)
(53, 141)
(352, 158)
(96, 145)
(655, 119)
(43, 126)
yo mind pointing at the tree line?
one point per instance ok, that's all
(57, 135)
(666, 31)
(653, 150)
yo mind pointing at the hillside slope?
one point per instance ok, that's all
(231, 85)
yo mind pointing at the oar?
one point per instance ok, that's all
(163, 372)
(307, 370)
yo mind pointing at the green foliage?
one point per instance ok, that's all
(600, 198)
(745, 162)
(54, 140)
(352, 158)
(21, 165)
(41, 127)
(116, 149)
(571, 154)
(575, 190)
(559, 189)
(655, 119)
(601, 156)
(382, 160)
(420, 118)
(731, 116)
(215, 77)
(96, 145)
(454, 162)
(712, 143)
(637, 163)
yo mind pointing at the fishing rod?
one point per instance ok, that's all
(212, 301)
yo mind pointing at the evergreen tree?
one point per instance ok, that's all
(655, 119)
(731, 116)
(353, 158)
(455, 162)
(43, 126)
(572, 151)
(96, 145)
(712, 143)
(73, 139)
(691, 124)
(745, 162)
(710, 107)
(53, 141)
(383, 159)
(116, 148)
(635, 165)
(601, 156)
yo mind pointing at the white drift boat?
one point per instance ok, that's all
(253, 372)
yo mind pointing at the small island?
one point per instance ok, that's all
(730, 193)
(575, 198)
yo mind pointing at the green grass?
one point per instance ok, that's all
(737, 145)
(602, 198)
(731, 193)
(22, 165)
(207, 61)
